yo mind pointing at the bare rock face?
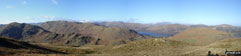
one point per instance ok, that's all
(105, 35)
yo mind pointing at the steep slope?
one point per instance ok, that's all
(10, 47)
(105, 35)
(201, 36)
(37, 34)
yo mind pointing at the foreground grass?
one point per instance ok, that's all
(218, 47)
(149, 47)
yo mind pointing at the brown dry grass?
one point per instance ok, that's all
(202, 36)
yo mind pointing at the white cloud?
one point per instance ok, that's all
(55, 2)
(9, 6)
(50, 17)
(85, 21)
(24, 2)
(27, 17)
(132, 20)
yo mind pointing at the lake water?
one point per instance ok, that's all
(155, 34)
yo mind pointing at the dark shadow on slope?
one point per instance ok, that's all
(14, 44)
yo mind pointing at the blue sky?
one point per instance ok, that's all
(209, 12)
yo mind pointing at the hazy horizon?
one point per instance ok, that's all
(208, 12)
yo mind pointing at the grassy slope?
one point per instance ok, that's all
(218, 47)
(10, 47)
(153, 47)
(192, 42)
(201, 36)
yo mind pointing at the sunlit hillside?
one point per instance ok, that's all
(120, 28)
(202, 36)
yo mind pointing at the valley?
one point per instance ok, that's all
(63, 38)
(120, 28)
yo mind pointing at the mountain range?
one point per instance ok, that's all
(168, 29)
(70, 33)
(32, 33)
(116, 38)
(104, 35)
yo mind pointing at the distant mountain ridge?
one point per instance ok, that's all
(169, 28)
(106, 35)
(162, 29)
(159, 28)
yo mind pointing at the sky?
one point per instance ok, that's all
(209, 12)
